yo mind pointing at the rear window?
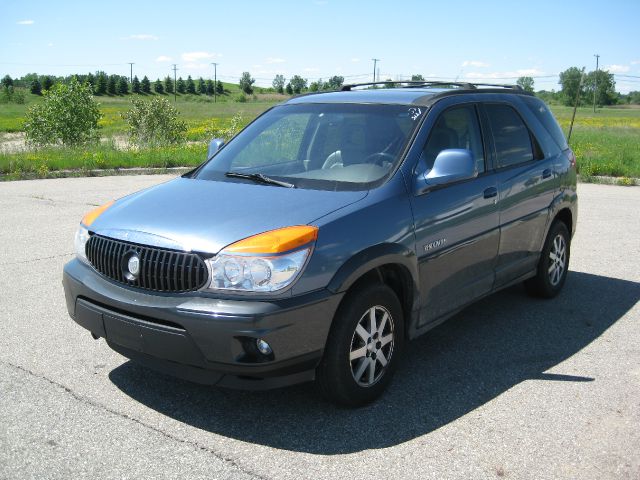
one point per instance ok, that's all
(548, 121)
(510, 135)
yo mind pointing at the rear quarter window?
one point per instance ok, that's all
(510, 135)
(546, 118)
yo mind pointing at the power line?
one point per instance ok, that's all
(215, 81)
(175, 86)
(375, 61)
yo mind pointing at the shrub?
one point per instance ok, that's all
(227, 132)
(154, 122)
(68, 115)
(11, 95)
(241, 98)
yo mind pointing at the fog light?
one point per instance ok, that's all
(263, 347)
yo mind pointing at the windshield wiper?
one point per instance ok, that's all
(260, 178)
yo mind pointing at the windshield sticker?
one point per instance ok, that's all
(414, 112)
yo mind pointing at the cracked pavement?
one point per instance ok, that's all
(512, 387)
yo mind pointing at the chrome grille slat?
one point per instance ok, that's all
(161, 270)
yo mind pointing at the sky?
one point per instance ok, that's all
(462, 40)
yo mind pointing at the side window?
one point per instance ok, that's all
(457, 127)
(510, 135)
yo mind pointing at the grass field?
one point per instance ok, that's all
(606, 142)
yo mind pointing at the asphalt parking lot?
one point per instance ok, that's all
(512, 387)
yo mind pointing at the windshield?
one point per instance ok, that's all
(321, 146)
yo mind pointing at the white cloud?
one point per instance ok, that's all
(163, 59)
(355, 60)
(141, 36)
(311, 69)
(271, 60)
(474, 63)
(49, 44)
(635, 62)
(617, 68)
(25, 22)
(194, 57)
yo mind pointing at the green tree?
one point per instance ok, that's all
(335, 83)
(278, 83)
(123, 86)
(604, 85)
(315, 86)
(191, 86)
(112, 85)
(135, 86)
(145, 85)
(47, 83)
(68, 115)
(158, 87)
(417, 78)
(298, 84)
(219, 88)
(209, 87)
(289, 89)
(526, 83)
(168, 84)
(36, 87)
(101, 83)
(570, 82)
(202, 87)
(246, 83)
(154, 122)
(7, 81)
(180, 86)
(634, 97)
(91, 80)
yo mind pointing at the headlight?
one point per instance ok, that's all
(82, 235)
(267, 262)
(80, 242)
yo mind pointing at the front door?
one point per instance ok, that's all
(456, 225)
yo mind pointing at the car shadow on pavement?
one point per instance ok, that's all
(472, 358)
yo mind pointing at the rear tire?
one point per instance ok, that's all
(553, 264)
(363, 347)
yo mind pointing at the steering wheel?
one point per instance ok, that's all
(378, 158)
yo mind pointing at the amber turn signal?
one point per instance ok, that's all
(90, 217)
(276, 241)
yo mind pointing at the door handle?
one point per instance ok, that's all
(491, 192)
(546, 173)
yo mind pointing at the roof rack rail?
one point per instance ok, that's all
(429, 83)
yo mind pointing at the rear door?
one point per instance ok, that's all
(526, 188)
(456, 225)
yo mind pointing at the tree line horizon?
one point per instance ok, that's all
(592, 87)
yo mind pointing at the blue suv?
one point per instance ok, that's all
(331, 230)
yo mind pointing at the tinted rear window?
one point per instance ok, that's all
(548, 121)
(510, 135)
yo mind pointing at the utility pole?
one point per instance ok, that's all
(215, 82)
(131, 77)
(595, 83)
(175, 85)
(375, 61)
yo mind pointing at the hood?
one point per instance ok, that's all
(206, 215)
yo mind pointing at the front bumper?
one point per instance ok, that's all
(204, 339)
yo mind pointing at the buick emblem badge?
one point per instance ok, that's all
(133, 265)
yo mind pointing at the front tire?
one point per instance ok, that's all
(363, 347)
(553, 264)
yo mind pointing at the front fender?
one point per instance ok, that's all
(371, 258)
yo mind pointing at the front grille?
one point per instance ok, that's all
(159, 269)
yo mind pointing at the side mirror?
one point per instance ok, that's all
(452, 165)
(215, 145)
